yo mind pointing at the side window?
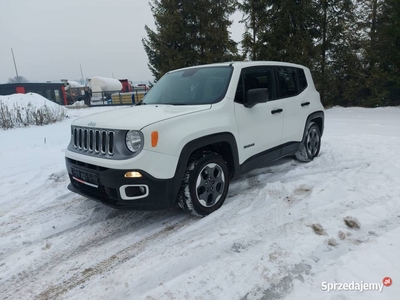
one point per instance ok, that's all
(287, 82)
(302, 79)
(255, 78)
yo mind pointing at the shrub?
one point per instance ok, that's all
(23, 116)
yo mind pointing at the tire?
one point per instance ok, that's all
(205, 184)
(311, 144)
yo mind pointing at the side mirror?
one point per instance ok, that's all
(256, 96)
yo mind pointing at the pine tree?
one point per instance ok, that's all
(189, 33)
(374, 92)
(254, 19)
(289, 31)
(349, 45)
(388, 43)
(336, 71)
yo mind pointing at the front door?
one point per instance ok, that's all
(260, 127)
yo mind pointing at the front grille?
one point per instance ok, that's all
(94, 141)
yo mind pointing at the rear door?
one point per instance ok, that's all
(295, 100)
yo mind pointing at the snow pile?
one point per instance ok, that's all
(21, 110)
(78, 104)
(30, 99)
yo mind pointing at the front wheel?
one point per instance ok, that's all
(205, 184)
(311, 144)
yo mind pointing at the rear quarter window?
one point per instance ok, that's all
(288, 82)
(302, 79)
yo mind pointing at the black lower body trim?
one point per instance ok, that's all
(161, 192)
(266, 157)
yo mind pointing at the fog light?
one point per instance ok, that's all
(133, 192)
(132, 175)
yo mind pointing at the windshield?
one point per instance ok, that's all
(202, 85)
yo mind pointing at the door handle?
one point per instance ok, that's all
(276, 111)
(305, 103)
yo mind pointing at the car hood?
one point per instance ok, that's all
(137, 117)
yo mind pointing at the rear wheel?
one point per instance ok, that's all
(310, 146)
(205, 184)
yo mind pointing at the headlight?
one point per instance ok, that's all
(134, 141)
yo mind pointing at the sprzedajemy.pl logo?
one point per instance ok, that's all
(356, 286)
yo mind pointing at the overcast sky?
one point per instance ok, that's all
(51, 38)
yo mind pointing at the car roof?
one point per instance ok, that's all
(244, 64)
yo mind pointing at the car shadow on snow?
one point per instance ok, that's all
(272, 172)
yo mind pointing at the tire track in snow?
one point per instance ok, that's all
(113, 261)
(54, 180)
(34, 216)
(106, 225)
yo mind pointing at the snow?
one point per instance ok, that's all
(78, 104)
(104, 84)
(260, 245)
(73, 84)
(32, 99)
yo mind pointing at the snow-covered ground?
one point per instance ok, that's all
(280, 234)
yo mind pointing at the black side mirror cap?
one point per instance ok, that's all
(255, 96)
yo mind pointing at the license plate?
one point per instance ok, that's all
(84, 177)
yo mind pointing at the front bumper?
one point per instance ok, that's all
(161, 193)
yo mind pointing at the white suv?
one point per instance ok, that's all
(196, 129)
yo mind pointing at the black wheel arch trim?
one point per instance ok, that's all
(202, 142)
(316, 115)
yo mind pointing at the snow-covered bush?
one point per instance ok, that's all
(14, 114)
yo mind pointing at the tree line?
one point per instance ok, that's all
(17, 79)
(351, 46)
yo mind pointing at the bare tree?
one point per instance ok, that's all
(17, 79)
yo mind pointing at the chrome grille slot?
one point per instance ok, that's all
(111, 143)
(97, 141)
(80, 138)
(91, 134)
(75, 137)
(103, 142)
(85, 139)
(93, 141)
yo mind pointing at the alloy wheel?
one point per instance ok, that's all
(210, 184)
(313, 141)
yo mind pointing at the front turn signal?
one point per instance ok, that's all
(154, 138)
